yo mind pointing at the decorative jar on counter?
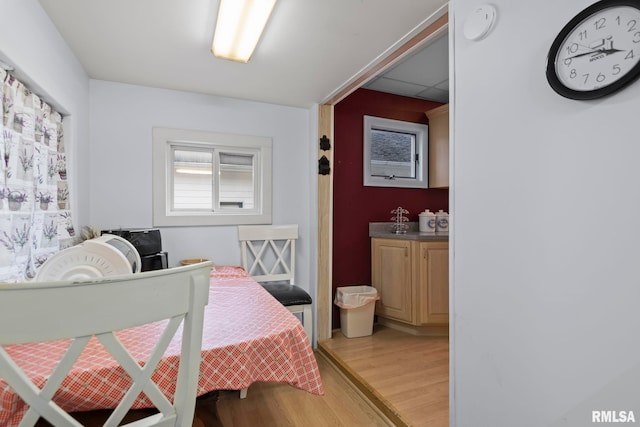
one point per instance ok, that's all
(442, 221)
(427, 222)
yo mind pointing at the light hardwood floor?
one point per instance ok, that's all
(404, 379)
(407, 376)
(272, 404)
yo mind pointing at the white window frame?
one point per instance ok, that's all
(421, 133)
(166, 140)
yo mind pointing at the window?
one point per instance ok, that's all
(205, 178)
(395, 153)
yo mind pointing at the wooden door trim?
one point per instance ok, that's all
(325, 226)
(408, 46)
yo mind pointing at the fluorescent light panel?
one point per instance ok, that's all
(239, 27)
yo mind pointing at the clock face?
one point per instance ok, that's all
(598, 52)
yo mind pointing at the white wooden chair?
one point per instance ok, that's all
(268, 255)
(97, 308)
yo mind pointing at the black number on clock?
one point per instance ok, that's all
(600, 23)
(572, 48)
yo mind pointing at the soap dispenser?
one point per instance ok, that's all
(427, 221)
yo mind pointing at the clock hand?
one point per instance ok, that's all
(595, 52)
(610, 51)
(588, 47)
(597, 45)
(583, 54)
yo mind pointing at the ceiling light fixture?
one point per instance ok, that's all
(239, 27)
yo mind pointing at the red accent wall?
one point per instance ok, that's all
(354, 205)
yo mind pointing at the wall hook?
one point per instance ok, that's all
(324, 167)
(325, 143)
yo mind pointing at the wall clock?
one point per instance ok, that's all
(597, 52)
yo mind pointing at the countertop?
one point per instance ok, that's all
(384, 230)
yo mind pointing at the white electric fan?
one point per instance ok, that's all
(106, 255)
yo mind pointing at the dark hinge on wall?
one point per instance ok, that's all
(417, 158)
(324, 167)
(325, 143)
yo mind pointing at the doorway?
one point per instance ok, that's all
(325, 239)
(436, 26)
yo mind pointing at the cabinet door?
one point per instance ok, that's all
(439, 146)
(391, 276)
(433, 286)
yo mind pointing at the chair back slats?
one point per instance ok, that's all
(53, 383)
(268, 252)
(103, 306)
(39, 400)
(142, 375)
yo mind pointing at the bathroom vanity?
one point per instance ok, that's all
(411, 273)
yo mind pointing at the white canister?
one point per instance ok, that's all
(427, 222)
(442, 221)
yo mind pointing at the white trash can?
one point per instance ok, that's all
(357, 306)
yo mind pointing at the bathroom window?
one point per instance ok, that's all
(395, 153)
(205, 178)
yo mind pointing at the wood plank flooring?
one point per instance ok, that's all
(404, 380)
(273, 404)
(407, 376)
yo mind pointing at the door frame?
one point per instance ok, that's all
(431, 27)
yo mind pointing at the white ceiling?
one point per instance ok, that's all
(423, 74)
(308, 51)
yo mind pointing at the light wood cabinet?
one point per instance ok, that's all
(439, 146)
(433, 284)
(412, 279)
(391, 272)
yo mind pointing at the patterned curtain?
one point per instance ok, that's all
(35, 220)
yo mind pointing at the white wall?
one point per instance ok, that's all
(545, 199)
(42, 60)
(122, 117)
